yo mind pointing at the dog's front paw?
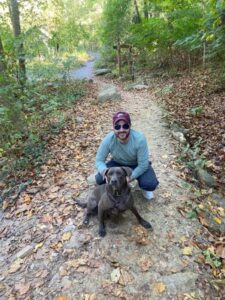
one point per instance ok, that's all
(146, 225)
(102, 231)
(86, 221)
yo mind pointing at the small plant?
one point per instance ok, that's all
(193, 157)
(68, 64)
(212, 259)
(167, 89)
(197, 111)
(193, 214)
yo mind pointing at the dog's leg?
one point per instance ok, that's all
(141, 221)
(92, 207)
(86, 218)
(101, 217)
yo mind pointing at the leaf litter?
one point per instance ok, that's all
(45, 213)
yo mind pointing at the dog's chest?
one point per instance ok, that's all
(119, 203)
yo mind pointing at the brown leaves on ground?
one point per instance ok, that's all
(196, 103)
(220, 248)
(140, 235)
(144, 264)
(47, 204)
(22, 288)
(110, 290)
(159, 288)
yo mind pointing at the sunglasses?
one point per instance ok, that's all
(124, 126)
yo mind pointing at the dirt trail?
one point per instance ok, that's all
(129, 263)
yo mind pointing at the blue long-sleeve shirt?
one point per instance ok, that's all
(134, 152)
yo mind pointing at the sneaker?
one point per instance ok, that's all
(148, 195)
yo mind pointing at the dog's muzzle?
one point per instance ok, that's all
(114, 182)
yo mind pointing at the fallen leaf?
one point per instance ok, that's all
(217, 220)
(44, 274)
(66, 236)
(39, 245)
(183, 211)
(16, 265)
(62, 298)
(183, 239)
(56, 245)
(2, 287)
(220, 250)
(3, 231)
(159, 287)
(115, 275)
(47, 218)
(125, 277)
(221, 211)
(170, 235)
(27, 199)
(2, 184)
(6, 204)
(75, 186)
(144, 264)
(90, 297)
(190, 296)
(75, 263)
(22, 288)
(141, 235)
(52, 196)
(54, 189)
(203, 220)
(166, 195)
(201, 206)
(187, 250)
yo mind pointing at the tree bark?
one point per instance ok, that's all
(146, 9)
(119, 57)
(138, 17)
(15, 19)
(222, 17)
(130, 63)
(2, 58)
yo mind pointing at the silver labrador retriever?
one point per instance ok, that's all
(110, 198)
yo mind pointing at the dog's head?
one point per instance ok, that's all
(116, 176)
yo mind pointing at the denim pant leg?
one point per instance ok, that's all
(148, 181)
(98, 177)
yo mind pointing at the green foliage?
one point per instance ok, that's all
(212, 259)
(167, 89)
(193, 156)
(27, 116)
(175, 33)
(115, 21)
(197, 111)
(193, 214)
(35, 42)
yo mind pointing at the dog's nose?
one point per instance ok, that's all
(113, 182)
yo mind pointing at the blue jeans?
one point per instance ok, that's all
(147, 181)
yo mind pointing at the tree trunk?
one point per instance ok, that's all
(146, 9)
(119, 57)
(222, 17)
(138, 17)
(2, 58)
(204, 54)
(130, 63)
(15, 19)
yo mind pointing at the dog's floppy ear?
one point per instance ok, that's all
(104, 174)
(128, 171)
